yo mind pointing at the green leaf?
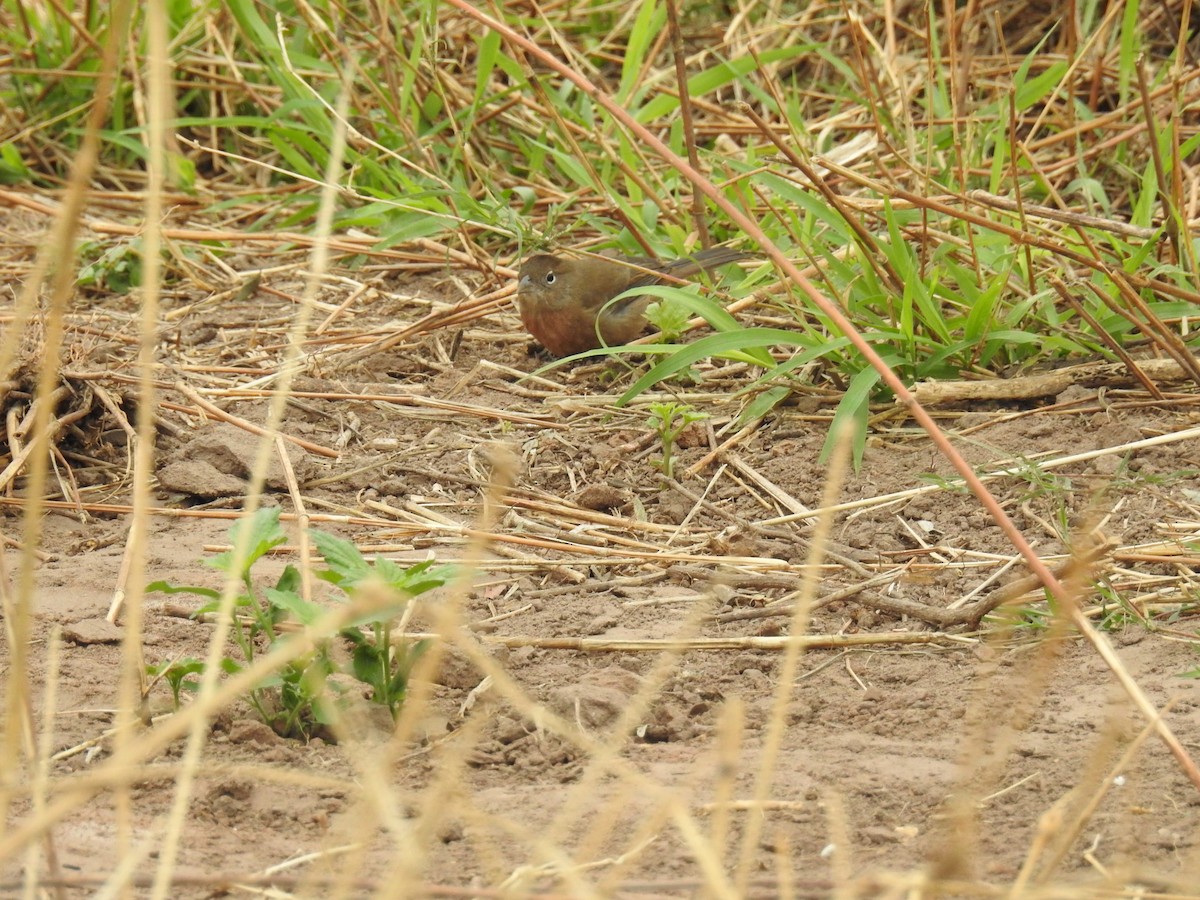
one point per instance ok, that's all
(12, 167)
(723, 73)
(851, 417)
(485, 61)
(367, 666)
(723, 344)
(346, 564)
(645, 31)
(763, 403)
(712, 312)
(187, 666)
(164, 587)
(669, 316)
(381, 613)
(289, 580)
(294, 605)
(416, 579)
(261, 531)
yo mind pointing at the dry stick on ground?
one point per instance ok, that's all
(118, 600)
(1065, 216)
(41, 555)
(398, 399)
(548, 505)
(968, 616)
(22, 429)
(787, 607)
(720, 511)
(705, 461)
(114, 409)
(887, 375)
(133, 544)
(1047, 384)
(1104, 401)
(597, 555)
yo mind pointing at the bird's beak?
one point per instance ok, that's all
(525, 282)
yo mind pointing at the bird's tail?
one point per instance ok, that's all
(711, 258)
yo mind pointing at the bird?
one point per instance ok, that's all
(561, 299)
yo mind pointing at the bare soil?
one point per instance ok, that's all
(1021, 722)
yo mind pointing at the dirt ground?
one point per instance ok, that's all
(967, 755)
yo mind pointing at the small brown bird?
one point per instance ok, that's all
(560, 299)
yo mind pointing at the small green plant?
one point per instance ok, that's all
(179, 674)
(379, 660)
(1117, 613)
(670, 316)
(110, 267)
(670, 420)
(295, 700)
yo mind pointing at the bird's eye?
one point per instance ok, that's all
(551, 278)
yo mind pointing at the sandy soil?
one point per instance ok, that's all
(894, 758)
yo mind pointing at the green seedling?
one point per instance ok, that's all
(110, 267)
(379, 660)
(670, 420)
(179, 676)
(669, 316)
(297, 700)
